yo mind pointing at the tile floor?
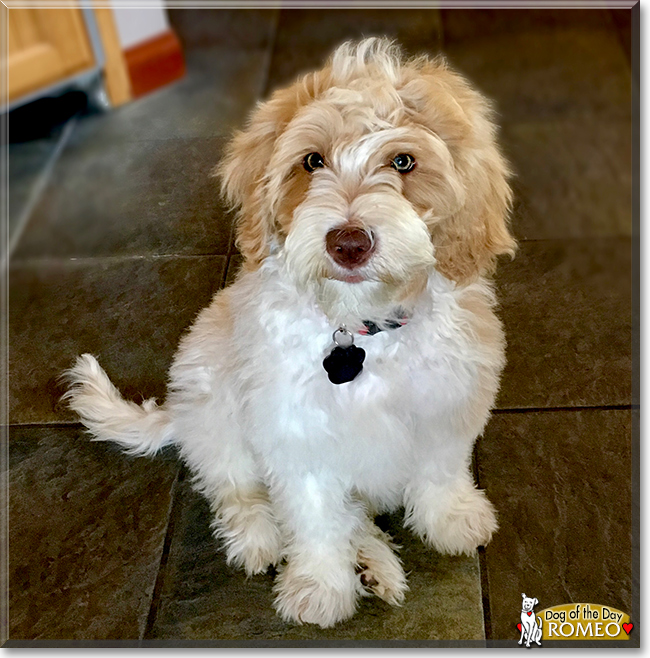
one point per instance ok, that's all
(127, 240)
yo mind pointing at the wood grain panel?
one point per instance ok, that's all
(25, 26)
(66, 30)
(13, 38)
(46, 45)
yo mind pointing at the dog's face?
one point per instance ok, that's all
(366, 174)
(528, 603)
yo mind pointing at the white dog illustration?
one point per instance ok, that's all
(531, 624)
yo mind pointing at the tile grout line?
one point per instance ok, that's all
(590, 238)
(154, 604)
(495, 412)
(41, 183)
(233, 251)
(89, 260)
(485, 593)
(482, 565)
(226, 269)
(598, 407)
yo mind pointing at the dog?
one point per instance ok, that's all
(352, 364)
(531, 624)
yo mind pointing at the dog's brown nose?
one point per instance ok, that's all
(349, 247)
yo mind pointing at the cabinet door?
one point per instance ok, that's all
(44, 46)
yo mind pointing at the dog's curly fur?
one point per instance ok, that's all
(294, 466)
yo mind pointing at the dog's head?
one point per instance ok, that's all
(374, 169)
(527, 603)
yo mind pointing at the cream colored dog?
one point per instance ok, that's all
(372, 200)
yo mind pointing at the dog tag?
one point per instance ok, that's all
(345, 361)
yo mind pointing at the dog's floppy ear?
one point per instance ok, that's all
(469, 240)
(244, 167)
(242, 172)
(535, 601)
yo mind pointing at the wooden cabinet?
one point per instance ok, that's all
(45, 46)
(50, 50)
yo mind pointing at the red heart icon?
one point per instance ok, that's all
(529, 613)
(519, 627)
(628, 627)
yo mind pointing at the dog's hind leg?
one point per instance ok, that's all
(246, 526)
(454, 517)
(244, 520)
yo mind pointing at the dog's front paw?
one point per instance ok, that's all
(379, 569)
(306, 599)
(454, 520)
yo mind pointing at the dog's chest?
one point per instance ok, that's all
(407, 373)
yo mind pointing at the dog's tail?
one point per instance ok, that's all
(140, 430)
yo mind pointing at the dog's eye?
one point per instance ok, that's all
(313, 161)
(403, 163)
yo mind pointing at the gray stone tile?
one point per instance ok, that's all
(561, 482)
(234, 29)
(532, 72)
(573, 179)
(462, 25)
(203, 599)
(86, 533)
(214, 97)
(566, 306)
(130, 313)
(130, 198)
(306, 37)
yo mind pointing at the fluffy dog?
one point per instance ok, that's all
(372, 202)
